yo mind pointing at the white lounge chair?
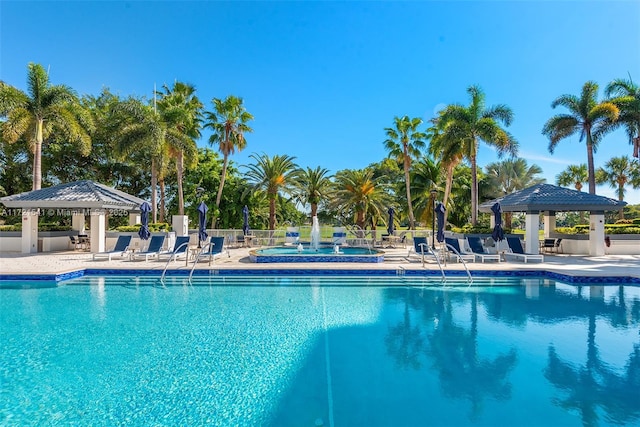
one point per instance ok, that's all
(120, 250)
(478, 250)
(339, 236)
(292, 236)
(154, 248)
(179, 249)
(517, 251)
(452, 246)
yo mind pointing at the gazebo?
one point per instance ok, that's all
(78, 199)
(550, 199)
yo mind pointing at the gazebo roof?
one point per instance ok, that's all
(74, 195)
(547, 197)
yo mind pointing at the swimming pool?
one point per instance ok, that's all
(321, 350)
(323, 253)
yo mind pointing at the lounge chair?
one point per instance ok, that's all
(154, 248)
(516, 250)
(292, 236)
(179, 249)
(453, 248)
(475, 244)
(551, 245)
(420, 246)
(216, 248)
(339, 236)
(120, 250)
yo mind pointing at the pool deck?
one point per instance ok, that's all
(394, 260)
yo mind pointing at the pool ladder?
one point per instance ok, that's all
(429, 250)
(175, 253)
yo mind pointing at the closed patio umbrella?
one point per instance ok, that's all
(390, 227)
(202, 223)
(144, 232)
(440, 210)
(245, 220)
(498, 232)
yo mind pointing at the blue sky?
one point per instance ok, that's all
(323, 79)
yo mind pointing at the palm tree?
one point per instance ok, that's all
(509, 176)
(46, 109)
(618, 172)
(573, 175)
(476, 123)
(229, 124)
(627, 98)
(404, 142)
(312, 187)
(587, 116)
(181, 109)
(425, 177)
(359, 192)
(272, 175)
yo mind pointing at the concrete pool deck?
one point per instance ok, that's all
(394, 259)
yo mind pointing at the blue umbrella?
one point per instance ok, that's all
(390, 227)
(144, 232)
(498, 232)
(440, 210)
(245, 223)
(202, 222)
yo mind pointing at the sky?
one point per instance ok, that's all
(324, 79)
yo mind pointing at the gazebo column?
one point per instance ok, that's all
(531, 236)
(134, 218)
(98, 230)
(596, 233)
(29, 231)
(77, 221)
(549, 223)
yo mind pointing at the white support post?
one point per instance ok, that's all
(29, 231)
(532, 238)
(596, 234)
(134, 218)
(98, 230)
(77, 221)
(180, 224)
(549, 223)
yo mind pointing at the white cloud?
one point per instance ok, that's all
(538, 157)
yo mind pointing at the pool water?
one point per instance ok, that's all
(289, 254)
(311, 351)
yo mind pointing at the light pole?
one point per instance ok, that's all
(434, 193)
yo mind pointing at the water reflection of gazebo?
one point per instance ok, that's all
(550, 199)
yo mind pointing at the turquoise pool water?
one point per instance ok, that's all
(308, 351)
(321, 254)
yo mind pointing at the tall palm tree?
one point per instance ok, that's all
(228, 120)
(272, 175)
(425, 177)
(626, 96)
(444, 145)
(587, 116)
(618, 172)
(477, 123)
(574, 175)
(313, 186)
(405, 142)
(44, 110)
(357, 191)
(182, 110)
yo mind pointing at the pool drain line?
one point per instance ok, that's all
(327, 361)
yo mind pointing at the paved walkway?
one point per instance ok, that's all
(238, 259)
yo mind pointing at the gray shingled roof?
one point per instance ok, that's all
(78, 194)
(547, 197)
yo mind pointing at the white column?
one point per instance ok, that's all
(77, 221)
(492, 221)
(531, 237)
(596, 234)
(29, 231)
(549, 223)
(98, 230)
(134, 218)
(180, 224)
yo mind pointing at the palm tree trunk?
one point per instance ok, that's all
(447, 189)
(314, 209)
(154, 184)
(161, 203)
(408, 188)
(37, 157)
(179, 173)
(621, 198)
(591, 171)
(223, 176)
(474, 189)
(272, 211)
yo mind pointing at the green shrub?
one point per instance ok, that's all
(14, 227)
(154, 227)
